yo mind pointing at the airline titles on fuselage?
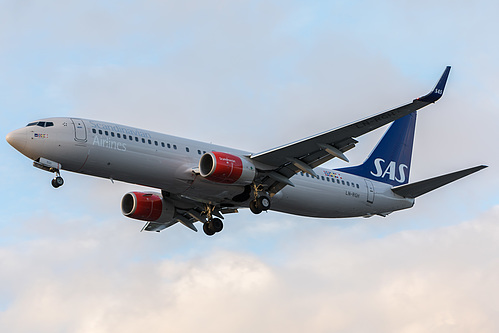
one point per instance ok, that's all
(108, 142)
(120, 129)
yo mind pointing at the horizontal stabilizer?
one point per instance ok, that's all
(414, 190)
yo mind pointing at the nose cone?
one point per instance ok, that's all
(17, 139)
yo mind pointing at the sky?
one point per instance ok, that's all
(251, 75)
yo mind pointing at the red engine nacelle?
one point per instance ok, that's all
(226, 168)
(147, 206)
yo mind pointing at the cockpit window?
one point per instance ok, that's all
(41, 123)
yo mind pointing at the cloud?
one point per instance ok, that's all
(328, 279)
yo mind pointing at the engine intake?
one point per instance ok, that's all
(147, 206)
(226, 168)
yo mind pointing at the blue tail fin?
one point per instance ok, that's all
(390, 161)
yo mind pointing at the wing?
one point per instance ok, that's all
(189, 211)
(308, 153)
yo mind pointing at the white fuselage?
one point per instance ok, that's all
(168, 163)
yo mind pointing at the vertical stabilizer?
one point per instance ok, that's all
(390, 161)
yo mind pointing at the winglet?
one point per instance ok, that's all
(438, 91)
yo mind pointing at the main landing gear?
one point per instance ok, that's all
(261, 202)
(213, 226)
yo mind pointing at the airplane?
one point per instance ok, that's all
(202, 182)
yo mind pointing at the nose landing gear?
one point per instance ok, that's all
(50, 166)
(57, 181)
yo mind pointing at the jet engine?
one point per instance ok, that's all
(147, 206)
(226, 168)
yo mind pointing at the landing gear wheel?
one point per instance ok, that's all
(213, 226)
(255, 209)
(263, 203)
(207, 229)
(57, 182)
(216, 225)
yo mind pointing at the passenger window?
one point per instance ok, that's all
(175, 147)
(342, 182)
(143, 140)
(130, 138)
(348, 183)
(199, 152)
(163, 144)
(100, 132)
(358, 186)
(322, 178)
(327, 178)
(187, 149)
(136, 139)
(338, 181)
(106, 132)
(156, 143)
(307, 175)
(112, 134)
(204, 152)
(118, 135)
(149, 141)
(94, 131)
(168, 145)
